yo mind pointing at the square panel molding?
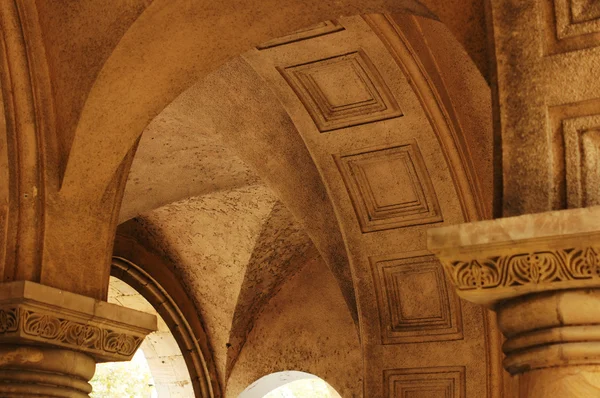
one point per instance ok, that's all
(438, 382)
(389, 188)
(414, 302)
(572, 24)
(576, 137)
(582, 145)
(342, 91)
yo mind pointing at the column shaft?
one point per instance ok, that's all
(30, 371)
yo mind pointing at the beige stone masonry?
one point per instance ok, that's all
(34, 314)
(490, 261)
(541, 274)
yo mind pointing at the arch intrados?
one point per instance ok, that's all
(150, 275)
(236, 77)
(161, 55)
(159, 353)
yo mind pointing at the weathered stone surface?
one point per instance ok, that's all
(44, 371)
(240, 165)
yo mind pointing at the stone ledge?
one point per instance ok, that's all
(35, 314)
(515, 230)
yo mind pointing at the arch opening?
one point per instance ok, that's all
(124, 379)
(290, 384)
(157, 370)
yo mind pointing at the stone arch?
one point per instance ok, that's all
(157, 57)
(161, 353)
(170, 60)
(445, 134)
(145, 55)
(148, 274)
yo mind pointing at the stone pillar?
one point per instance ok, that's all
(541, 274)
(51, 340)
(56, 232)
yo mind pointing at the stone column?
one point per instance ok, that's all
(541, 274)
(51, 340)
(56, 233)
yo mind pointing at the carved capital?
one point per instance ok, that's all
(35, 314)
(492, 261)
(541, 274)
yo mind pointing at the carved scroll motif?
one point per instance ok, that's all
(61, 330)
(526, 268)
(65, 332)
(82, 335)
(41, 325)
(9, 320)
(120, 343)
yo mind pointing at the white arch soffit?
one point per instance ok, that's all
(160, 349)
(268, 383)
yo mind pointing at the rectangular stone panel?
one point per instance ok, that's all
(584, 10)
(389, 188)
(317, 30)
(438, 382)
(342, 91)
(414, 302)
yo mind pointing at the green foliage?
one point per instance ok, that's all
(122, 380)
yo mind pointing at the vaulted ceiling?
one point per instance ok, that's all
(332, 147)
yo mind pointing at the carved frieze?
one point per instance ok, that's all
(489, 261)
(25, 324)
(35, 314)
(532, 268)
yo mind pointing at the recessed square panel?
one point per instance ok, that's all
(342, 91)
(571, 25)
(582, 140)
(340, 85)
(415, 304)
(392, 182)
(438, 382)
(584, 10)
(576, 133)
(389, 188)
(411, 308)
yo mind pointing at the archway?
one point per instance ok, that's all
(435, 137)
(292, 384)
(158, 369)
